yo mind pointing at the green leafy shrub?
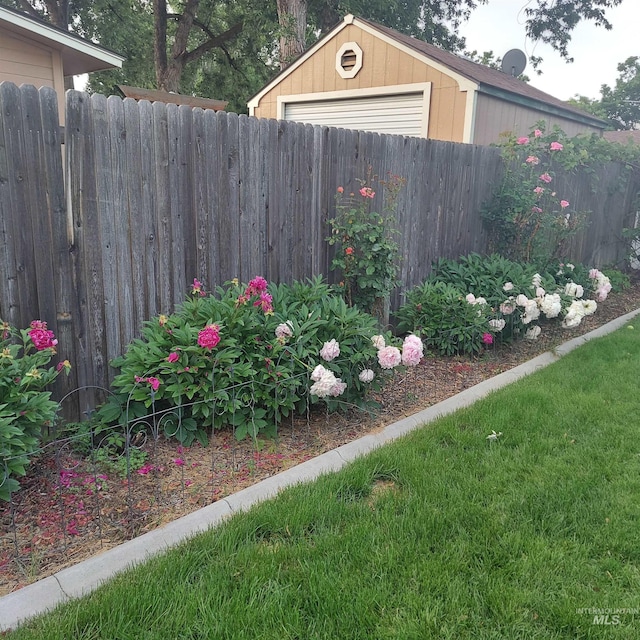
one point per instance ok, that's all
(444, 319)
(242, 358)
(484, 276)
(26, 407)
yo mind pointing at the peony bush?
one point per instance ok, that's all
(26, 408)
(248, 356)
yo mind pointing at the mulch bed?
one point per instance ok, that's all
(70, 509)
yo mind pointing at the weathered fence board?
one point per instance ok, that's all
(161, 194)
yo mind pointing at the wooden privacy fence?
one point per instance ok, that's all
(154, 195)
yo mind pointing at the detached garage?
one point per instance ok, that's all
(362, 75)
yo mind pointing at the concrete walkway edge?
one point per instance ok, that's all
(87, 575)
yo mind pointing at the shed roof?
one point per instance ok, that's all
(78, 55)
(486, 79)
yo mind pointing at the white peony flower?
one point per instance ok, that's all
(533, 333)
(330, 350)
(378, 342)
(366, 375)
(551, 305)
(522, 300)
(470, 298)
(498, 324)
(508, 286)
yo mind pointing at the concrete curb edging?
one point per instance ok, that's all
(84, 577)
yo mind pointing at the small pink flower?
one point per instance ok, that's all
(389, 357)
(197, 288)
(265, 302)
(65, 365)
(367, 192)
(349, 251)
(537, 133)
(564, 204)
(545, 177)
(340, 189)
(209, 337)
(173, 357)
(555, 146)
(330, 350)
(522, 140)
(154, 382)
(538, 191)
(487, 338)
(532, 160)
(179, 462)
(256, 286)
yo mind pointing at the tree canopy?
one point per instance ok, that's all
(619, 105)
(228, 49)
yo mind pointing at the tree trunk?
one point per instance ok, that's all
(292, 16)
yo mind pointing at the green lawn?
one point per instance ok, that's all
(443, 534)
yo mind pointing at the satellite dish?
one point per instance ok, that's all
(514, 62)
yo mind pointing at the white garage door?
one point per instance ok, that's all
(402, 114)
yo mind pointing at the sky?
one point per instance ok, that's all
(500, 26)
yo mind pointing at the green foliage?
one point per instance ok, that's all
(526, 218)
(25, 407)
(619, 280)
(443, 318)
(484, 275)
(366, 252)
(258, 372)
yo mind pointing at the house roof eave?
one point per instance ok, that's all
(78, 55)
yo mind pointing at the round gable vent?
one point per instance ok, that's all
(349, 60)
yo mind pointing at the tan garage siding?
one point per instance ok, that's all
(23, 62)
(495, 116)
(382, 65)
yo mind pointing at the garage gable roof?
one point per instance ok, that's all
(469, 75)
(78, 55)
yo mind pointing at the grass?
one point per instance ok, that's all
(443, 534)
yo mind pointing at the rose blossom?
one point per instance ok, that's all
(532, 160)
(555, 146)
(545, 177)
(209, 337)
(330, 350)
(522, 140)
(389, 357)
(367, 192)
(564, 203)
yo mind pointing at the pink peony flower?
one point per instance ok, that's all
(555, 146)
(389, 357)
(265, 302)
(197, 288)
(487, 338)
(173, 357)
(41, 337)
(537, 133)
(256, 286)
(338, 388)
(545, 177)
(564, 203)
(412, 351)
(366, 375)
(154, 382)
(522, 140)
(209, 337)
(330, 350)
